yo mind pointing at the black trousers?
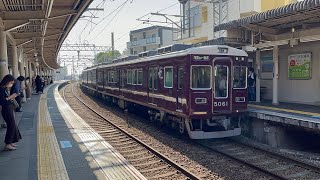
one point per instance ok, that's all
(13, 134)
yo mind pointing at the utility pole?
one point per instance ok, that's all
(72, 73)
(112, 45)
(78, 58)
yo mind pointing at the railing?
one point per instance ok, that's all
(144, 42)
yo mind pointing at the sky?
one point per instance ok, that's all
(120, 17)
(120, 21)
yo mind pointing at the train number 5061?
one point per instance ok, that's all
(219, 104)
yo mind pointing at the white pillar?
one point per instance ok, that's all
(22, 73)
(3, 54)
(258, 75)
(15, 71)
(3, 62)
(275, 75)
(26, 64)
(30, 70)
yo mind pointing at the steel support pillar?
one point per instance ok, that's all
(258, 75)
(275, 75)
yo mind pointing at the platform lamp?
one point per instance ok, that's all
(183, 2)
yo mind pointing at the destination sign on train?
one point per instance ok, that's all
(201, 57)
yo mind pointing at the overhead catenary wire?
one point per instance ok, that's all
(124, 34)
(92, 15)
(115, 10)
(110, 20)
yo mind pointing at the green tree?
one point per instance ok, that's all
(106, 56)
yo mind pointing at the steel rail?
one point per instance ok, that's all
(298, 162)
(183, 170)
(243, 162)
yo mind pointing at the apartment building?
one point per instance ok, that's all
(201, 16)
(149, 38)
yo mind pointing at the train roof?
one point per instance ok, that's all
(203, 50)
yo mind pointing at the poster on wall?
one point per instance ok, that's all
(299, 66)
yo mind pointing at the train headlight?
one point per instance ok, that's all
(240, 99)
(201, 100)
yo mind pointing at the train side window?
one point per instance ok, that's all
(134, 77)
(115, 76)
(139, 77)
(221, 75)
(110, 77)
(129, 77)
(240, 77)
(100, 77)
(168, 77)
(180, 77)
(201, 77)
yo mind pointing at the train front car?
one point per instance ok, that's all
(218, 92)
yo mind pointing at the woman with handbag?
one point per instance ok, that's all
(9, 104)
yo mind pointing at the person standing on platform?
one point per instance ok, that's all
(28, 92)
(252, 85)
(17, 88)
(38, 83)
(8, 107)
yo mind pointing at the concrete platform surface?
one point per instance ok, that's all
(58, 144)
(305, 116)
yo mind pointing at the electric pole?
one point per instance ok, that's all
(112, 45)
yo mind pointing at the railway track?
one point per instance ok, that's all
(274, 164)
(150, 162)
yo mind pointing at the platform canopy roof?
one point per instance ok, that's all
(298, 15)
(40, 26)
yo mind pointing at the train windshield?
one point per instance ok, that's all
(201, 77)
(240, 77)
(221, 81)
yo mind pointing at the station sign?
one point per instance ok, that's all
(299, 66)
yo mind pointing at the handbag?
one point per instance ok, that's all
(13, 101)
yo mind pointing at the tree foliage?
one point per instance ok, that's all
(106, 56)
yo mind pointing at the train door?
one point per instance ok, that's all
(121, 80)
(152, 83)
(222, 85)
(180, 83)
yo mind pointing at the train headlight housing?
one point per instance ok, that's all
(240, 99)
(201, 100)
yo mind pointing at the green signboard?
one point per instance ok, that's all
(299, 66)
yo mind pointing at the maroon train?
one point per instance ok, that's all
(202, 90)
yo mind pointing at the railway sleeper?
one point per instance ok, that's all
(142, 158)
(148, 163)
(133, 150)
(137, 154)
(154, 169)
(169, 174)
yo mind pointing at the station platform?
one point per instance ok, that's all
(57, 144)
(305, 116)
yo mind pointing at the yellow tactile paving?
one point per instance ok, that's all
(113, 164)
(284, 110)
(50, 161)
